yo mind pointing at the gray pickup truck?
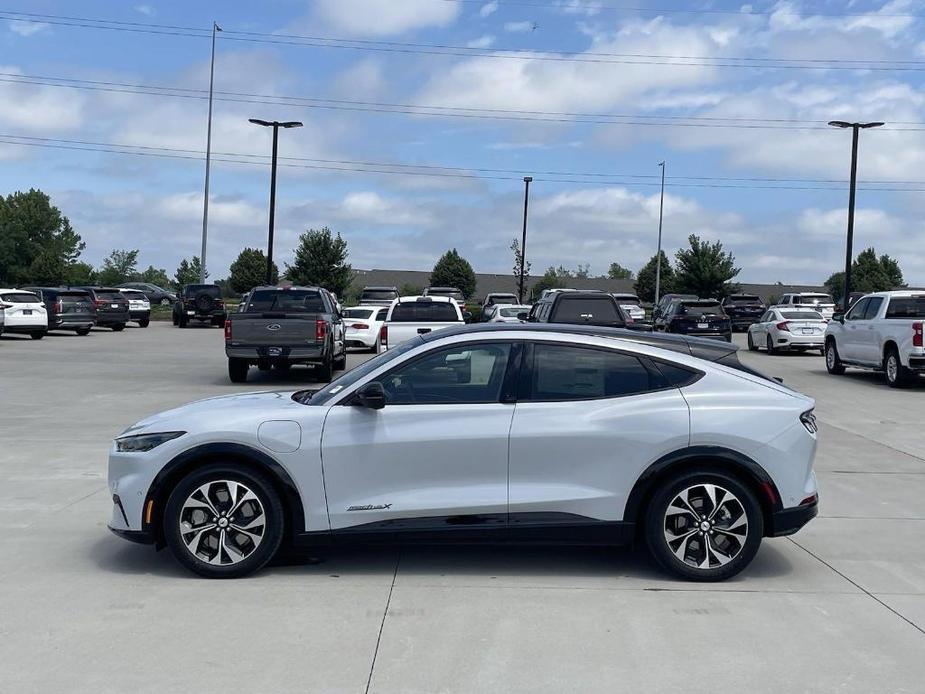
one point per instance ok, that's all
(282, 326)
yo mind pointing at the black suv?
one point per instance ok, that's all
(155, 294)
(111, 307)
(581, 308)
(202, 302)
(743, 309)
(698, 317)
(68, 309)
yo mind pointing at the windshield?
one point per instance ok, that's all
(285, 300)
(906, 307)
(801, 315)
(359, 312)
(378, 295)
(211, 289)
(348, 378)
(424, 312)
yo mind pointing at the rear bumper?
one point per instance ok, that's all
(787, 521)
(917, 363)
(140, 314)
(804, 341)
(112, 318)
(71, 321)
(287, 353)
(25, 324)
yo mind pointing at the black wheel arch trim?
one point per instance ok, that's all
(735, 461)
(223, 452)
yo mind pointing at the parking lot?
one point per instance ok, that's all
(838, 607)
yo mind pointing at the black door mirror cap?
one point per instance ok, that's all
(371, 396)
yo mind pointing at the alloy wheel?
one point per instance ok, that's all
(705, 526)
(892, 368)
(222, 522)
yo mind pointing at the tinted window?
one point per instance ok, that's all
(628, 301)
(74, 297)
(873, 307)
(561, 372)
(597, 311)
(676, 375)
(743, 299)
(801, 315)
(906, 307)
(453, 294)
(503, 299)
(106, 295)
(816, 299)
(382, 314)
(511, 312)
(358, 312)
(20, 298)
(288, 301)
(211, 289)
(700, 309)
(424, 312)
(458, 374)
(857, 311)
(378, 295)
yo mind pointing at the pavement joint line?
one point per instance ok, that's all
(860, 587)
(871, 518)
(874, 441)
(868, 472)
(385, 612)
(617, 589)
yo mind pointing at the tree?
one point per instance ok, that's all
(618, 272)
(37, 242)
(250, 270)
(321, 260)
(705, 269)
(118, 267)
(408, 289)
(81, 274)
(582, 272)
(645, 278)
(868, 274)
(452, 270)
(518, 258)
(153, 275)
(553, 278)
(188, 272)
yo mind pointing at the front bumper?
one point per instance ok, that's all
(142, 537)
(787, 521)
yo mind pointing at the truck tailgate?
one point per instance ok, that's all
(273, 329)
(401, 331)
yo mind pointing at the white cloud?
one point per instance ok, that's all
(485, 41)
(518, 27)
(27, 28)
(385, 17)
(489, 8)
(371, 208)
(146, 10)
(35, 108)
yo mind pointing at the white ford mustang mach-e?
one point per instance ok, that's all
(484, 433)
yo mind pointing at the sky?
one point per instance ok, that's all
(421, 118)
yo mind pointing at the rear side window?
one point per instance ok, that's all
(675, 375)
(597, 311)
(906, 307)
(288, 301)
(20, 298)
(424, 312)
(563, 372)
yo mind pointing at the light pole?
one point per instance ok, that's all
(205, 200)
(849, 252)
(523, 241)
(276, 125)
(658, 253)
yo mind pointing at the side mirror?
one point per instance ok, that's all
(839, 317)
(523, 315)
(371, 396)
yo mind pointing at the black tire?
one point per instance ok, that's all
(742, 552)
(267, 499)
(752, 347)
(263, 366)
(325, 370)
(218, 323)
(341, 364)
(769, 344)
(82, 331)
(375, 348)
(144, 323)
(897, 375)
(237, 370)
(173, 317)
(182, 320)
(832, 361)
(118, 327)
(37, 335)
(282, 366)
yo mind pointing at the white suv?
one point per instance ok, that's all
(882, 331)
(500, 433)
(823, 303)
(23, 312)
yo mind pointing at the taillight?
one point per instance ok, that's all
(59, 306)
(917, 334)
(785, 326)
(359, 326)
(227, 330)
(321, 330)
(100, 303)
(384, 335)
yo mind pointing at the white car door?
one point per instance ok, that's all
(436, 455)
(868, 339)
(588, 422)
(760, 329)
(850, 344)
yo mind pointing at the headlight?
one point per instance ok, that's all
(145, 442)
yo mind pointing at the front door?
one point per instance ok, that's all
(851, 347)
(435, 457)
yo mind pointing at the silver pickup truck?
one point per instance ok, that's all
(282, 326)
(418, 315)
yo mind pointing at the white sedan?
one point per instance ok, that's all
(23, 312)
(363, 325)
(505, 313)
(788, 328)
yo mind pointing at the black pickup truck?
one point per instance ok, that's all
(743, 309)
(282, 326)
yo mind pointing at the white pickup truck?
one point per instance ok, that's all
(418, 315)
(882, 331)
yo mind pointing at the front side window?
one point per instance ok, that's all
(469, 373)
(564, 372)
(857, 311)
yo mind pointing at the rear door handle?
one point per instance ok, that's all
(423, 331)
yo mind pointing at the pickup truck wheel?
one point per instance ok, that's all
(181, 320)
(325, 370)
(341, 364)
(832, 363)
(237, 370)
(897, 375)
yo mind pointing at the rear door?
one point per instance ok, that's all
(588, 421)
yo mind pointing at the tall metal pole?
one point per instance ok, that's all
(658, 254)
(849, 250)
(523, 241)
(272, 205)
(205, 201)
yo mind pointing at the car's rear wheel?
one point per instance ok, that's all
(118, 327)
(832, 361)
(704, 526)
(769, 343)
(237, 370)
(224, 521)
(752, 347)
(82, 331)
(897, 375)
(37, 335)
(181, 320)
(143, 323)
(325, 370)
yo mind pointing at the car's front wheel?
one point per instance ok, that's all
(224, 521)
(704, 526)
(752, 347)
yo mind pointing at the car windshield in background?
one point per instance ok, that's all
(701, 308)
(20, 298)
(512, 312)
(211, 289)
(378, 295)
(801, 315)
(906, 307)
(424, 312)
(816, 299)
(359, 312)
(285, 300)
